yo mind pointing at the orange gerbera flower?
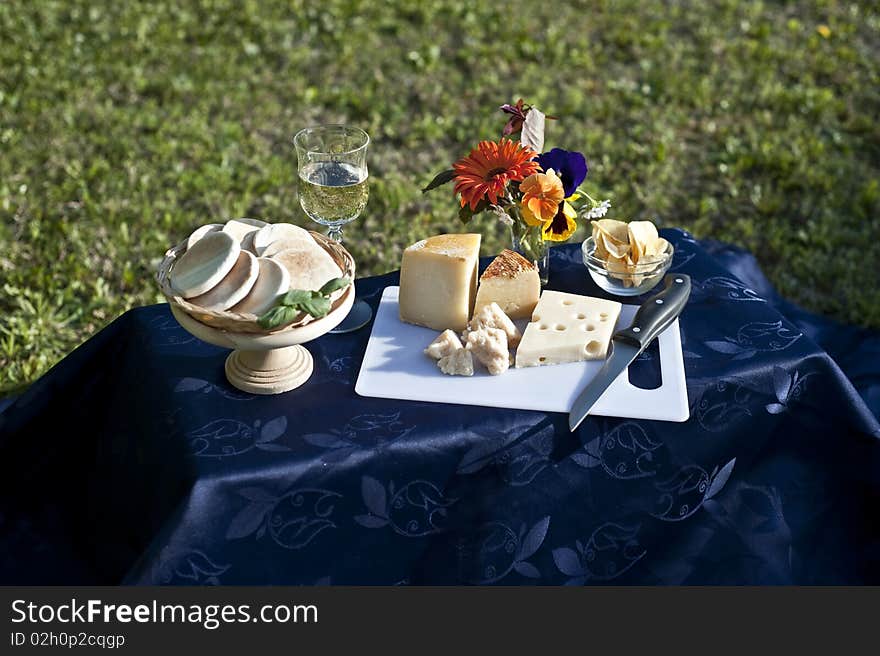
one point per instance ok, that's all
(487, 169)
(542, 193)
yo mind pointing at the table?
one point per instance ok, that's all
(133, 461)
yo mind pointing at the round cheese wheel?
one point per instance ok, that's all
(234, 287)
(257, 223)
(203, 266)
(308, 269)
(198, 233)
(275, 232)
(272, 281)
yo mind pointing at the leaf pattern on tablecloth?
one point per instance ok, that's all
(608, 552)
(626, 451)
(230, 437)
(416, 509)
(339, 368)
(788, 389)
(167, 332)
(722, 288)
(683, 492)
(188, 567)
(724, 404)
(685, 251)
(756, 337)
(518, 455)
(495, 550)
(206, 387)
(374, 430)
(292, 519)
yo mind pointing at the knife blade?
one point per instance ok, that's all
(652, 318)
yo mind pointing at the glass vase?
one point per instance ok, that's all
(528, 242)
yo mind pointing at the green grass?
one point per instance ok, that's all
(124, 125)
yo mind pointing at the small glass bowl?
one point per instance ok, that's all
(639, 280)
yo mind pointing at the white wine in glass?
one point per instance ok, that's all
(334, 188)
(333, 193)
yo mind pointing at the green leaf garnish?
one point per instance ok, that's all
(317, 306)
(278, 316)
(295, 297)
(314, 303)
(332, 285)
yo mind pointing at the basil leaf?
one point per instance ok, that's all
(332, 285)
(295, 297)
(317, 307)
(278, 316)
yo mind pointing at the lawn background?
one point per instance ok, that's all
(125, 125)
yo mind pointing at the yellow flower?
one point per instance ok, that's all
(542, 194)
(562, 226)
(824, 31)
(530, 218)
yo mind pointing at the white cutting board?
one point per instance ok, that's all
(395, 367)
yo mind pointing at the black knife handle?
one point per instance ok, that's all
(655, 314)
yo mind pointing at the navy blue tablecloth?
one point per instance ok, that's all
(133, 461)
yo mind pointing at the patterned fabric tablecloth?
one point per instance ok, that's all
(133, 461)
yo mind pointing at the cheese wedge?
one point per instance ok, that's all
(512, 282)
(438, 281)
(567, 328)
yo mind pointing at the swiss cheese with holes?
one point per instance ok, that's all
(567, 328)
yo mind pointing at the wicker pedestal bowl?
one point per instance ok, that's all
(262, 361)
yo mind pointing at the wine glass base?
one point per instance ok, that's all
(357, 318)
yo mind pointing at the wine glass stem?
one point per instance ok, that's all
(335, 233)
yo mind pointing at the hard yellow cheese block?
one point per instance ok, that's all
(512, 282)
(567, 328)
(438, 281)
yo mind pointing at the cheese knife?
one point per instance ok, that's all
(652, 318)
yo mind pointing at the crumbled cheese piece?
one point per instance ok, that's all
(444, 345)
(492, 316)
(458, 363)
(489, 345)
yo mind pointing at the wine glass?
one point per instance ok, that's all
(333, 188)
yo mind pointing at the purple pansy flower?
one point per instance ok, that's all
(569, 165)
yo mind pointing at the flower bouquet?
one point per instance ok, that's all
(538, 194)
